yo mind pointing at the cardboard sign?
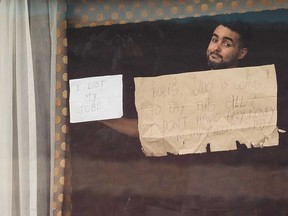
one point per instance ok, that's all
(96, 98)
(182, 113)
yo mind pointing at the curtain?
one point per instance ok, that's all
(43, 24)
(27, 92)
(62, 188)
(18, 143)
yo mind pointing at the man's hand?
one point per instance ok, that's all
(123, 125)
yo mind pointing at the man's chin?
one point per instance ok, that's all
(215, 65)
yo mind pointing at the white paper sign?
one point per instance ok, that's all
(96, 98)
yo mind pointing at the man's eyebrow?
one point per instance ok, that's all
(224, 38)
(228, 38)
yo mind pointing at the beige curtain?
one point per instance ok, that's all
(30, 43)
(43, 25)
(18, 143)
(48, 35)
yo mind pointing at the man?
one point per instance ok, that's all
(218, 183)
(228, 45)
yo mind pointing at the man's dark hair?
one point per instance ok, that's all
(242, 28)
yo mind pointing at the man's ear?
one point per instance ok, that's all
(243, 52)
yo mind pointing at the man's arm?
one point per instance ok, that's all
(127, 126)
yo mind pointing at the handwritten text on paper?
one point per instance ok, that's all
(96, 98)
(182, 113)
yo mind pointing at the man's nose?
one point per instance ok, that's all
(217, 47)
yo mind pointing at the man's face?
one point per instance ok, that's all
(224, 50)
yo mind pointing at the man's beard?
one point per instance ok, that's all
(218, 65)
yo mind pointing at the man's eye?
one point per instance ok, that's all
(226, 44)
(214, 40)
